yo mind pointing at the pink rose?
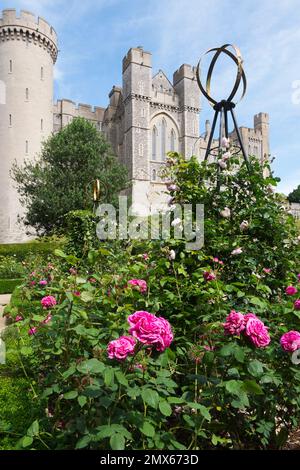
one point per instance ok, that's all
(140, 283)
(291, 290)
(237, 251)
(47, 319)
(151, 330)
(33, 283)
(43, 282)
(18, 318)
(235, 323)
(120, 348)
(290, 341)
(32, 331)
(145, 256)
(257, 332)
(48, 301)
(209, 276)
(297, 304)
(267, 270)
(76, 293)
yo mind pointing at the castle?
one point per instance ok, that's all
(146, 118)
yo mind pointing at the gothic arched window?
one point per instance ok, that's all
(173, 137)
(163, 138)
(154, 143)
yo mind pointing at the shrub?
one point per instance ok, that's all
(210, 388)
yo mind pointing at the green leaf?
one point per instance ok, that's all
(175, 400)
(91, 366)
(71, 395)
(27, 441)
(82, 400)
(252, 387)
(83, 442)
(87, 296)
(121, 378)
(108, 376)
(117, 442)
(165, 408)
(239, 354)
(203, 410)
(255, 368)
(60, 253)
(34, 429)
(150, 397)
(234, 386)
(26, 350)
(147, 429)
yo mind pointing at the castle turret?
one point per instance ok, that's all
(186, 87)
(28, 51)
(137, 85)
(261, 124)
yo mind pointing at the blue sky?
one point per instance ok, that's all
(94, 35)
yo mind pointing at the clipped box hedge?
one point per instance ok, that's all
(22, 250)
(7, 286)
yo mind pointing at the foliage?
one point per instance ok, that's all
(81, 229)
(10, 268)
(207, 390)
(16, 410)
(61, 179)
(294, 196)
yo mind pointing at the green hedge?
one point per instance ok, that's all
(22, 250)
(7, 286)
(17, 410)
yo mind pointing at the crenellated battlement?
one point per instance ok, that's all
(184, 71)
(28, 27)
(70, 108)
(137, 55)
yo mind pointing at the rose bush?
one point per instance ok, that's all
(196, 372)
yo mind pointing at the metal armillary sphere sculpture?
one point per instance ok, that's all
(96, 194)
(227, 105)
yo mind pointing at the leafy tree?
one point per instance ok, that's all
(60, 180)
(294, 196)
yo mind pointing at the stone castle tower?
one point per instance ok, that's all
(28, 50)
(145, 118)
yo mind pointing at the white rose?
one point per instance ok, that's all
(225, 213)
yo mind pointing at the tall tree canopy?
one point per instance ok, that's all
(294, 196)
(61, 178)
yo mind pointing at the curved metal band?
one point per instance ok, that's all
(240, 72)
(96, 190)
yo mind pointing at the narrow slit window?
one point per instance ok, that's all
(10, 120)
(27, 94)
(154, 142)
(26, 147)
(42, 73)
(163, 139)
(10, 66)
(42, 124)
